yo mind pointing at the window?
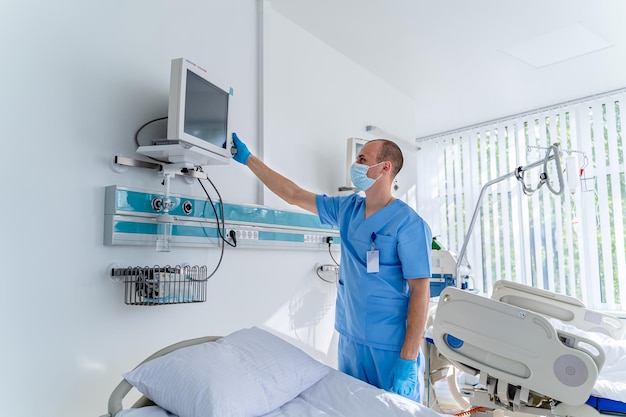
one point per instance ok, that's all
(572, 244)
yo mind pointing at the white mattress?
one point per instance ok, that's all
(336, 395)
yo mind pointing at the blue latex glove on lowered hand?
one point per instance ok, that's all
(242, 153)
(404, 377)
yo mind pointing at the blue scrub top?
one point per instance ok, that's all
(372, 307)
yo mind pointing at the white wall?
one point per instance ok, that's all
(78, 78)
(314, 99)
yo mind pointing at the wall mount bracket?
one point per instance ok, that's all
(159, 167)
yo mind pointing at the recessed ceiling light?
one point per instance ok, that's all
(562, 44)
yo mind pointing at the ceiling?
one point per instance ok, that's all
(455, 58)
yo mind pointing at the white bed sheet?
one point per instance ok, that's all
(340, 395)
(336, 395)
(611, 382)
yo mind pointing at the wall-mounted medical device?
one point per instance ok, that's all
(131, 218)
(352, 151)
(444, 272)
(197, 119)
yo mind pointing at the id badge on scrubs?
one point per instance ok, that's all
(373, 264)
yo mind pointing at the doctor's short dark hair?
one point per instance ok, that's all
(390, 152)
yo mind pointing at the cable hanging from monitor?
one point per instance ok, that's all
(220, 217)
(158, 119)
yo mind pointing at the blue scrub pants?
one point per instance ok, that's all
(374, 366)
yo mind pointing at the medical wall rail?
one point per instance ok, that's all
(130, 219)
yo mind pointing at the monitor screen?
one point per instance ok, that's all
(206, 110)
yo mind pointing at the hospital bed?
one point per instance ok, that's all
(530, 351)
(248, 373)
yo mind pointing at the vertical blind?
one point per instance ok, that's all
(572, 243)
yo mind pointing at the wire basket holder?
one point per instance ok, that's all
(159, 285)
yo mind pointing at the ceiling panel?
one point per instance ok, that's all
(451, 56)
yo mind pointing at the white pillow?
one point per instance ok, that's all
(247, 373)
(148, 411)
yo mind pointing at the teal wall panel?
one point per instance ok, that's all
(130, 219)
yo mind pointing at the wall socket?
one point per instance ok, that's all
(242, 234)
(326, 268)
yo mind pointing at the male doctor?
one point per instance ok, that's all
(384, 279)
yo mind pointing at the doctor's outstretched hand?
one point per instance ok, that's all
(404, 377)
(242, 153)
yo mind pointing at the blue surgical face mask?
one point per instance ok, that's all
(358, 174)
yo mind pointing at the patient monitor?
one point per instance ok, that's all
(197, 125)
(443, 271)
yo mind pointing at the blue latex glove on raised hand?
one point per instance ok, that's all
(242, 153)
(404, 377)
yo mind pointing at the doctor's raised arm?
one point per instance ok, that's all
(279, 185)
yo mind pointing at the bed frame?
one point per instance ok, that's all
(124, 387)
(567, 309)
(524, 364)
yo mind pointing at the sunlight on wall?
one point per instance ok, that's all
(90, 364)
(308, 317)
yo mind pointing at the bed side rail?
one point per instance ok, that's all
(567, 309)
(514, 345)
